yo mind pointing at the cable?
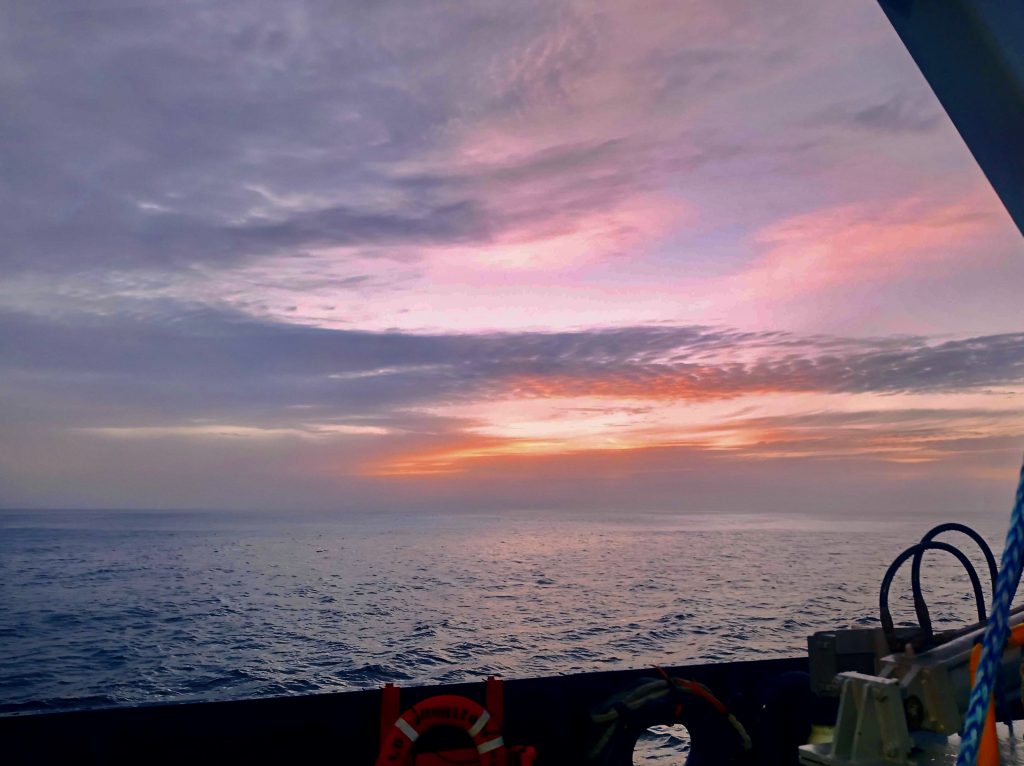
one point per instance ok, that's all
(920, 607)
(883, 596)
(996, 632)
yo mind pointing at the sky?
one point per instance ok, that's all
(696, 256)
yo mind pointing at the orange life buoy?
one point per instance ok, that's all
(396, 748)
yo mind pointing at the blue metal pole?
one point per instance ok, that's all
(971, 52)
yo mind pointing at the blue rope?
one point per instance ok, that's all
(996, 632)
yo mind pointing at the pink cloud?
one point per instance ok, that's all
(867, 242)
(563, 240)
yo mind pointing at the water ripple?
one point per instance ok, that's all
(116, 608)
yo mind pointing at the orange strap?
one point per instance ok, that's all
(390, 707)
(695, 688)
(494, 701)
(526, 755)
(988, 748)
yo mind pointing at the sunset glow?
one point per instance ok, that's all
(449, 258)
(749, 427)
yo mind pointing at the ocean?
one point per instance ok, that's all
(119, 608)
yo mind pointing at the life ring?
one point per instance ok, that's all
(716, 736)
(396, 747)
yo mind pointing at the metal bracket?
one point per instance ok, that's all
(871, 728)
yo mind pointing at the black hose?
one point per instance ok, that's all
(883, 596)
(920, 607)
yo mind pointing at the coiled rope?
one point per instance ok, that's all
(996, 632)
(656, 700)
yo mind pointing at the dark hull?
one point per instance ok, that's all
(552, 714)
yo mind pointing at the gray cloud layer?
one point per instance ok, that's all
(137, 136)
(106, 371)
(61, 381)
(899, 113)
(160, 136)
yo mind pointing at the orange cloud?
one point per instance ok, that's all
(746, 441)
(459, 454)
(686, 382)
(903, 429)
